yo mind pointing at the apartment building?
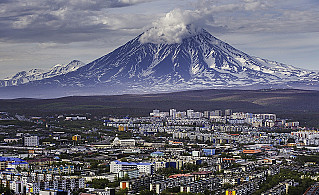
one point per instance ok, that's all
(117, 166)
(31, 141)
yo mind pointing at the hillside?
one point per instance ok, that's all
(300, 105)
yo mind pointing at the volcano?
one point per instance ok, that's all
(199, 61)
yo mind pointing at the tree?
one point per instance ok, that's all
(99, 183)
(171, 190)
(5, 190)
(291, 140)
(302, 187)
(207, 192)
(79, 191)
(125, 178)
(122, 192)
(189, 167)
(227, 186)
(168, 171)
(147, 192)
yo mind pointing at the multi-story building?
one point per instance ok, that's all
(159, 165)
(74, 118)
(123, 142)
(35, 182)
(281, 188)
(131, 173)
(200, 185)
(228, 112)
(57, 170)
(172, 113)
(117, 166)
(12, 163)
(206, 114)
(31, 141)
(190, 113)
(216, 113)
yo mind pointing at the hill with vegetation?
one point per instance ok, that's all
(302, 105)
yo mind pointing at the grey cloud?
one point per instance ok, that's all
(64, 21)
(83, 20)
(254, 16)
(123, 3)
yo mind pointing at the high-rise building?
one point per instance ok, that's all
(31, 141)
(217, 113)
(155, 113)
(228, 112)
(172, 113)
(206, 114)
(190, 113)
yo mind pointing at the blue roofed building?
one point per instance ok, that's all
(12, 163)
(21, 164)
(208, 152)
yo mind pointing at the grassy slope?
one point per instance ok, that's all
(299, 104)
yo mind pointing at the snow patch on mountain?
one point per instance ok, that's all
(39, 74)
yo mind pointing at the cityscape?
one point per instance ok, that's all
(159, 97)
(167, 152)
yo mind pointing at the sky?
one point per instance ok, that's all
(43, 33)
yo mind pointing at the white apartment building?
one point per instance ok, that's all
(123, 142)
(74, 118)
(172, 113)
(117, 166)
(159, 165)
(31, 141)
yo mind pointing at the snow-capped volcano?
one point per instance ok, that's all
(39, 74)
(198, 61)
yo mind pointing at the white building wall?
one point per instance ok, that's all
(31, 141)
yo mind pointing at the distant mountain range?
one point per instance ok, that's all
(200, 61)
(39, 74)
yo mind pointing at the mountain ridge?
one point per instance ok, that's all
(35, 74)
(200, 61)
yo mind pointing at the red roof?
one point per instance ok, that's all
(202, 173)
(180, 175)
(251, 151)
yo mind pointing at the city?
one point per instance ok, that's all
(181, 152)
(159, 97)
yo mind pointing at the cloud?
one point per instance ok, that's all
(259, 16)
(175, 26)
(100, 4)
(63, 30)
(232, 5)
(65, 21)
(179, 24)
(128, 2)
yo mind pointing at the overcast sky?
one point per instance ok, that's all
(42, 33)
